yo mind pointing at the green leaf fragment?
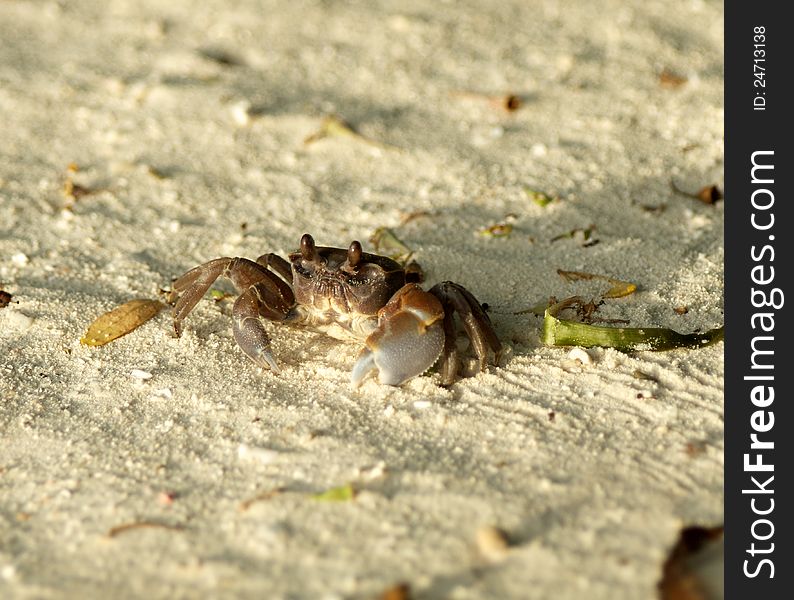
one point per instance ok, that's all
(332, 126)
(558, 332)
(540, 198)
(584, 233)
(342, 493)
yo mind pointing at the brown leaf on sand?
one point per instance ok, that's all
(669, 79)
(400, 591)
(73, 191)
(710, 194)
(681, 579)
(120, 321)
(5, 298)
(125, 527)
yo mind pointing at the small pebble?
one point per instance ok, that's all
(8, 572)
(17, 321)
(261, 455)
(579, 354)
(492, 543)
(538, 150)
(373, 471)
(241, 113)
(19, 259)
(166, 498)
(139, 374)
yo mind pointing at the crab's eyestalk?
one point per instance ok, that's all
(354, 253)
(308, 251)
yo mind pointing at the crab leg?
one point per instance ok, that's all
(408, 340)
(188, 289)
(249, 332)
(478, 328)
(263, 294)
(277, 264)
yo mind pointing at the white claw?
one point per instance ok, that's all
(404, 350)
(364, 365)
(408, 340)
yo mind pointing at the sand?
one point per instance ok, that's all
(157, 467)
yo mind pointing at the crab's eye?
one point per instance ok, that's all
(354, 254)
(307, 247)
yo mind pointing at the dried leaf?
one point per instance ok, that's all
(508, 102)
(221, 56)
(343, 493)
(538, 309)
(401, 591)
(511, 102)
(619, 287)
(387, 243)
(5, 298)
(267, 495)
(650, 208)
(120, 321)
(119, 529)
(710, 194)
(329, 127)
(540, 198)
(333, 126)
(500, 230)
(669, 79)
(689, 572)
(408, 217)
(157, 172)
(644, 376)
(584, 233)
(74, 191)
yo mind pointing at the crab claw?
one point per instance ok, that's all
(408, 340)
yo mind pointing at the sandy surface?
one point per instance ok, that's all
(186, 120)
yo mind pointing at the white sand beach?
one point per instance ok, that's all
(140, 139)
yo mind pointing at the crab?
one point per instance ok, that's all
(369, 297)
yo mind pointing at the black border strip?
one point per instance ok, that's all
(750, 129)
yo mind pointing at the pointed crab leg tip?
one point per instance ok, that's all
(363, 367)
(266, 361)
